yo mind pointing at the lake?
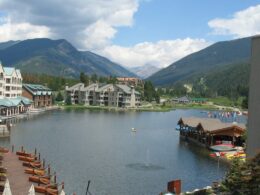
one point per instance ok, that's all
(100, 146)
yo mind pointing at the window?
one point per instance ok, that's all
(8, 80)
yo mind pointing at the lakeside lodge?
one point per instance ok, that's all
(18, 98)
(208, 132)
(114, 95)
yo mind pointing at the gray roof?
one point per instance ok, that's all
(91, 87)
(182, 99)
(75, 87)
(105, 87)
(126, 89)
(101, 87)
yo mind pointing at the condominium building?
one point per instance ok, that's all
(131, 81)
(11, 100)
(10, 82)
(113, 95)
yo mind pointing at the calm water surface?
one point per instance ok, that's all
(100, 146)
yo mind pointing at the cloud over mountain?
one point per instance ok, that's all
(80, 21)
(241, 24)
(160, 54)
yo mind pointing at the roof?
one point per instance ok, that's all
(18, 72)
(90, 87)
(126, 89)
(199, 99)
(13, 102)
(182, 99)
(75, 87)
(25, 100)
(9, 70)
(36, 89)
(209, 124)
(105, 87)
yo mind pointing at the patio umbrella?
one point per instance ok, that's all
(62, 192)
(7, 190)
(31, 190)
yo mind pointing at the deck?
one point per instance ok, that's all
(18, 180)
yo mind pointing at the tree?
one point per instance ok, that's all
(94, 78)
(149, 92)
(59, 97)
(68, 100)
(243, 178)
(244, 103)
(82, 77)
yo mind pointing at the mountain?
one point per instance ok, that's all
(231, 80)
(58, 58)
(213, 57)
(4, 45)
(144, 71)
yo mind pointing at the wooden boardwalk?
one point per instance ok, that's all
(18, 180)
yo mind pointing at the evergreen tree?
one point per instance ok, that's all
(68, 100)
(244, 103)
(82, 77)
(149, 92)
(243, 178)
(59, 97)
(94, 78)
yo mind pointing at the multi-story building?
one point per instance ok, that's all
(113, 95)
(39, 94)
(11, 100)
(10, 82)
(131, 81)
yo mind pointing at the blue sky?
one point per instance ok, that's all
(172, 19)
(132, 32)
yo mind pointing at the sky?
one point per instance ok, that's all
(132, 32)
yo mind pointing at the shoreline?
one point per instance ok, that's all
(156, 108)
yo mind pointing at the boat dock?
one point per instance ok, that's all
(18, 180)
(23, 170)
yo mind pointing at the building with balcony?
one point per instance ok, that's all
(131, 81)
(11, 101)
(10, 82)
(112, 95)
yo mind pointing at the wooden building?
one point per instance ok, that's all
(211, 131)
(39, 94)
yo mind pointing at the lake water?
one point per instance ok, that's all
(99, 146)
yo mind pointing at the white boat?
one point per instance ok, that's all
(133, 129)
(36, 110)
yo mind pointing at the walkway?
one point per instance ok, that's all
(18, 180)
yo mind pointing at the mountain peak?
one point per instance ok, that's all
(217, 55)
(57, 57)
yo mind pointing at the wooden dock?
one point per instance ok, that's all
(18, 180)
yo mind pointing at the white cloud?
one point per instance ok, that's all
(90, 25)
(20, 31)
(160, 54)
(243, 23)
(76, 21)
(98, 35)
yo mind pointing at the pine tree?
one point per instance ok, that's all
(59, 97)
